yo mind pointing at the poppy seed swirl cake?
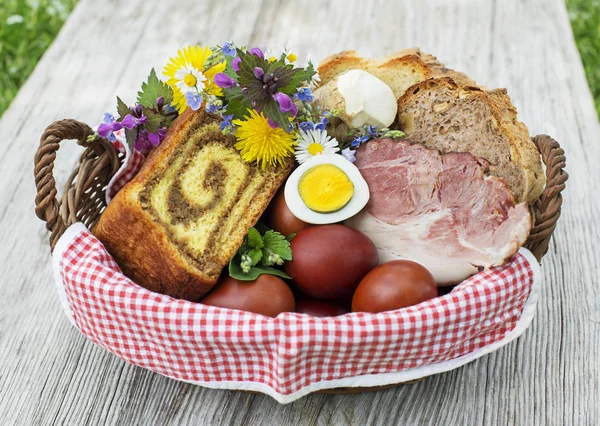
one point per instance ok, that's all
(175, 226)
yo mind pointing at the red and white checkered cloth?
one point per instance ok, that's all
(294, 354)
(129, 168)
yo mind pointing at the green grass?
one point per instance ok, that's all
(27, 27)
(585, 20)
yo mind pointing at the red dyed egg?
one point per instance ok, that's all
(330, 260)
(394, 285)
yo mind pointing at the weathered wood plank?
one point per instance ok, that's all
(50, 374)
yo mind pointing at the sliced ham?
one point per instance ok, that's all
(441, 211)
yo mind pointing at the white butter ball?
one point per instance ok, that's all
(368, 99)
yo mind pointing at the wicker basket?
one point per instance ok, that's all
(83, 199)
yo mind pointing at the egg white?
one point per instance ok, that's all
(359, 199)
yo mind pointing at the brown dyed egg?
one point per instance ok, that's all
(330, 260)
(319, 307)
(280, 218)
(267, 295)
(394, 285)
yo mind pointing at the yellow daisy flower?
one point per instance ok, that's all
(186, 73)
(258, 141)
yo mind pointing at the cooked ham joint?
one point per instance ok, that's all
(440, 210)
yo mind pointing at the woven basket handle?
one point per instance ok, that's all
(546, 209)
(83, 198)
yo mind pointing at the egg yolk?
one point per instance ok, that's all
(325, 188)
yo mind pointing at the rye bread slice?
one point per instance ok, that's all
(442, 114)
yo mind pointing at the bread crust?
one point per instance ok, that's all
(142, 247)
(411, 61)
(503, 119)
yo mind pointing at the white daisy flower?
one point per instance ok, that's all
(314, 142)
(287, 52)
(190, 79)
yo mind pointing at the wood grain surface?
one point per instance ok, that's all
(49, 373)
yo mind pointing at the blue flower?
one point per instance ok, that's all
(358, 140)
(322, 123)
(348, 154)
(305, 126)
(212, 108)
(305, 95)
(194, 100)
(226, 121)
(372, 130)
(229, 49)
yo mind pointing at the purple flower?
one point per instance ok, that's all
(285, 103)
(272, 123)
(236, 63)
(259, 73)
(257, 52)
(147, 140)
(348, 154)
(129, 121)
(194, 100)
(224, 81)
(305, 95)
(229, 49)
(154, 138)
(108, 126)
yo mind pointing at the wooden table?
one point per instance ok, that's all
(50, 374)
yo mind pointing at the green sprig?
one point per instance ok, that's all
(259, 254)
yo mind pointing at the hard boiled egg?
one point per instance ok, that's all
(326, 189)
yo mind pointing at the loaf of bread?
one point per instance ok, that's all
(442, 114)
(399, 70)
(175, 226)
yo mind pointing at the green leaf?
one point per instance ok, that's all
(298, 77)
(229, 69)
(236, 104)
(256, 255)
(131, 137)
(152, 90)
(235, 271)
(154, 120)
(271, 109)
(278, 244)
(254, 239)
(122, 108)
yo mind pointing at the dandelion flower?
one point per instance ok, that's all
(186, 74)
(258, 141)
(315, 142)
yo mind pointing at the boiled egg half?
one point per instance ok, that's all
(326, 189)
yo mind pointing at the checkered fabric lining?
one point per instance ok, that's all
(130, 166)
(197, 343)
